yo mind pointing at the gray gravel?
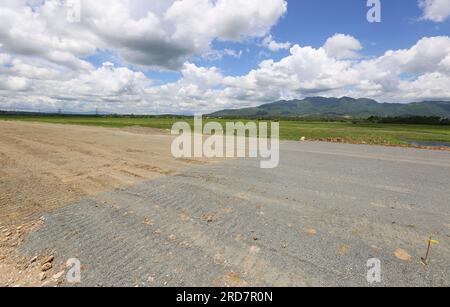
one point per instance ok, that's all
(313, 221)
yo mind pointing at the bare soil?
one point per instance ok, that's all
(46, 166)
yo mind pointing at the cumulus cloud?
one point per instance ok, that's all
(16, 83)
(225, 19)
(342, 46)
(313, 71)
(435, 10)
(275, 46)
(158, 33)
(4, 59)
(43, 59)
(215, 55)
(419, 72)
(445, 64)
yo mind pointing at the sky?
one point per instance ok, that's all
(200, 56)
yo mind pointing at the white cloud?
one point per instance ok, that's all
(215, 55)
(4, 59)
(445, 64)
(201, 76)
(342, 46)
(225, 19)
(420, 72)
(42, 59)
(275, 46)
(13, 83)
(416, 73)
(157, 33)
(435, 10)
(168, 36)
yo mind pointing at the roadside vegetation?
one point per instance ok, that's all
(349, 131)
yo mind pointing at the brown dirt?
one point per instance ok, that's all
(402, 255)
(46, 166)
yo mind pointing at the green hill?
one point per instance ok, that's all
(340, 107)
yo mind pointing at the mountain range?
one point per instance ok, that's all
(340, 107)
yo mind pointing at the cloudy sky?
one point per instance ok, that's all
(185, 56)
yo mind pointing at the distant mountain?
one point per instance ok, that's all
(340, 107)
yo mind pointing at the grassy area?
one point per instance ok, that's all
(110, 122)
(290, 130)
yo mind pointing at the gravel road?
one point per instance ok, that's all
(313, 221)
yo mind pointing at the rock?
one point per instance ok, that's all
(34, 259)
(239, 237)
(148, 222)
(42, 276)
(255, 249)
(311, 231)
(2, 257)
(46, 267)
(58, 275)
(19, 228)
(49, 259)
(402, 255)
(302, 139)
(8, 234)
(218, 259)
(343, 250)
(209, 218)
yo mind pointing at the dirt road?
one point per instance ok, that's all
(43, 167)
(314, 221)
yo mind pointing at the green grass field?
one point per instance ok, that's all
(290, 130)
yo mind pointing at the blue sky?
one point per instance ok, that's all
(312, 22)
(185, 56)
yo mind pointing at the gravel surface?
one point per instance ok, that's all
(313, 221)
